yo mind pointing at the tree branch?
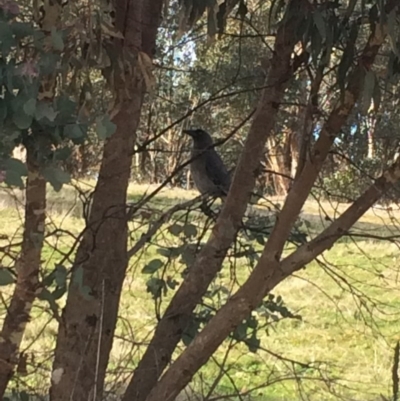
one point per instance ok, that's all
(209, 260)
(268, 271)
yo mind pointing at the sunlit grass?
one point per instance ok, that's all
(350, 340)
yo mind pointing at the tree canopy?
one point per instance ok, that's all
(301, 99)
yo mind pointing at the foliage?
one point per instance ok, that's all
(217, 87)
(188, 240)
(41, 106)
(332, 329)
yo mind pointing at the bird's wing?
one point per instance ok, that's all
(217, 172)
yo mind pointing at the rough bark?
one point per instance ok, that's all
(268, 271)
(28, 264)
(241, 303)
(209, 260)
(27, 269)
(88, 322)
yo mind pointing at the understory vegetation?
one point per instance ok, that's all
(122, 278)
(336, 325)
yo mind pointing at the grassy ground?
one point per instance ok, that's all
(348, 301)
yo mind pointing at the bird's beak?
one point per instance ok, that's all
(189, 132)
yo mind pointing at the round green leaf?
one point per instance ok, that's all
(21, 29)
(61, 276)
(22, 120)
(62, 153)
(48, 62)
(152, 266)
(66, 110)
(13, 179)
(190, 230)
(56, 177)
(77, 279)
(73, 131)
(154, 286)
(240, 332)
(175, 229)
(104, 127)
(16, 165)
(45, 110)
(57, 40)
(30, 107)
(6, 277)
(7, 38)
(3, 111)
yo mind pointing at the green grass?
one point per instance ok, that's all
(349, 306)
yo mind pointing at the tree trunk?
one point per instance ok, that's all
(262, 281)
(88, 321)
(27, 269)
(279, 161)
(208, 262)
(28, 264)
(371, 126)
(270, 271)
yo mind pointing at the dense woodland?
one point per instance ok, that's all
(116, 282)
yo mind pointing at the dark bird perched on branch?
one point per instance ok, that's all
(208, 170)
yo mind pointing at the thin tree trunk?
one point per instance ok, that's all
(269, 270)
(279, 162)
(28, 264)
(264, 279)
(371, 126)
(27, 269)
(88, 322)
(208, 262)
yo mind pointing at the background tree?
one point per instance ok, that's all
(300, 94)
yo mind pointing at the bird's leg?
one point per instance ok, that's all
(205, 207)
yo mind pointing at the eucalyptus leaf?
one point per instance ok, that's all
(57, 40)
(30, 107)
(48, 62)
(62, 154)
(13, 179)
(21, 29)
(23, 396)
(77, 278)
(73, 131)
(6, 278)
(155, 286)
(50, 297)
(153, 266)
(3, 111)
(240, 332)
(319, 23)
(175, 229)
(190, 331)
(211, 23)
(253, 343)
(7, 38)
(61, 275)
(104, 127)
(56, 177)
(44, 109)
(22, 120)
(16, 165)
(190, 230)
(66, 110)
